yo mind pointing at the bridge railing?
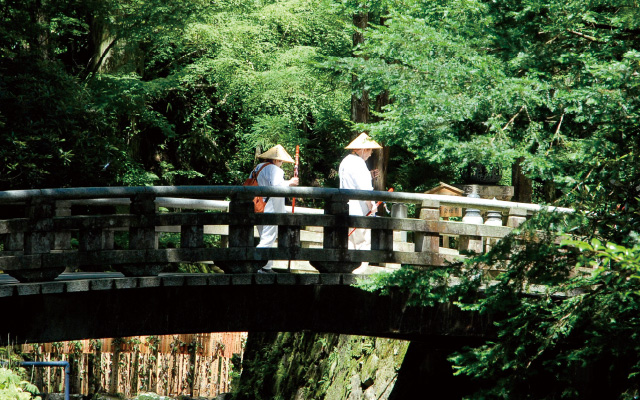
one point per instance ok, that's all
(37, 245)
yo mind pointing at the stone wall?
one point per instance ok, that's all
(303, 366)
(300, 366)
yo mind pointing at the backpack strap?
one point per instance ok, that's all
(254, 175)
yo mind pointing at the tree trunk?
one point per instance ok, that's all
(41, 20)
(522, 186)
(360, 108)
(380, 158)
(549, 191)
(100, 44)
(359, 104)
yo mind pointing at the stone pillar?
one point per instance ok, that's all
(382, 239)
(12, 239)
(472, 216)
(241, 237)
(62, 240)
(142, 233)
(399, 210)
(289, 239)
(470, 243)
(90, 241)
(241, 234)
(336, 238)
(14, 242)
(494, 218)
(517, 216)
(142, 236)
(38, 241)
(39, 238)
(192, 237)
(428, 241)
(108, 239)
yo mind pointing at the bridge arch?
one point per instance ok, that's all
(117, 306)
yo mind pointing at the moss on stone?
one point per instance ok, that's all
(318, 366)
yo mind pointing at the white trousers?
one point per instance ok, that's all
(360, 239)
(268, 235)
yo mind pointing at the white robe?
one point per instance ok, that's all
(354, 174)
(271, 175)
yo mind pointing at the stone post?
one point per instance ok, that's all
(382, 239)
(62, 240)
(336, 238)
(38, 240)
(399, 210)
(428, 241)
(192, 236)
(142, 236)
(472, 216)
(241, 237)
(517, 216)
(289, 239)
(470, 243)
(14, 242)
(90, 240)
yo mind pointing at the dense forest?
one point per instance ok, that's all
(157, 92)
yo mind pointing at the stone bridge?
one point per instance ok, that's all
(82, 230)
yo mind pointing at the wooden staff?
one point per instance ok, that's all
(293, 201)
(370, 211)
(295, 175)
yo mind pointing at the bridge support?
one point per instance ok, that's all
(142, 236)
(428, 241)
(37, 243)
(241, 238)
(336, 238)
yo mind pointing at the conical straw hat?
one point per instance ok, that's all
(277, 152)
(363, 142)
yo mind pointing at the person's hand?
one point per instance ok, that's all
(294, 181)
(375, 173)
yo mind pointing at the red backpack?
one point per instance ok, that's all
(258, 202)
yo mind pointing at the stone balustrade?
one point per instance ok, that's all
(37, 241)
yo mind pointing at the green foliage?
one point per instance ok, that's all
(564, 311)
(13, 387)
(552, 83)
(43, 141)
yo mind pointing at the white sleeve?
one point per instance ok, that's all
(271, 175)
(354, 174)
(363, 177)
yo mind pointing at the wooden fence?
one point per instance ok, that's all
(196, 365)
